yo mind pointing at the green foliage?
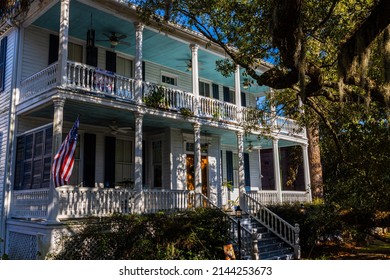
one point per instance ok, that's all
(156, 98)
(198, 234)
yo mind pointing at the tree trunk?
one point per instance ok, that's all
(315, 161)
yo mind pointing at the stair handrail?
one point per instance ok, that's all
(274, 223)
(246, 234)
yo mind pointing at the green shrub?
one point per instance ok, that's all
(198, 234)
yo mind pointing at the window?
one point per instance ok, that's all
(75, 52)
(204, 89)
(3, 51)
(33, 159)
(169, 79)
(124, 67)
(157, 163)
(229, 95)
(123, 160)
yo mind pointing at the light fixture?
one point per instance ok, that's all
(189, 65)
(246, 84)
(238, 212)
(250, 147)
(114, 42)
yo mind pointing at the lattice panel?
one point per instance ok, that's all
(22, 246)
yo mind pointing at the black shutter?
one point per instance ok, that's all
(243, 99)
(111, 61)
(247, 170)
(3, 57)
(92, 56)
(18, 178)
(143, 162)
(143, 70)
(229, 167)
(109, 162)
(89, 159)
(226, 94)
(215, 91)
(53, 48)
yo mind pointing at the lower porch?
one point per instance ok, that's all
(83, 202)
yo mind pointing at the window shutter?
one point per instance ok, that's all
(143, 70)
(229, 167)
(3, 57)
(226, 94)
(53, 48)
(89, 160)
(247, 170)
(215, 91)
(18, 178)
(243, 99)
(92, 56)
(109, 162)
(111, 61)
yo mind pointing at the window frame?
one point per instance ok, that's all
(174, 77)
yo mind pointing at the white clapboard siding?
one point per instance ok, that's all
(5, 96)
(35, 51)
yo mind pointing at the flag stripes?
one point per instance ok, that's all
(64, 159)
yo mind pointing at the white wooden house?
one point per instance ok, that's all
(61, 59)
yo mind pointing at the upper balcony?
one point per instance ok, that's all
(82, 78)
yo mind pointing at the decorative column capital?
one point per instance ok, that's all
(194, 48)
(139, 26)
(196, 125)
(138, 115)
(58, 102)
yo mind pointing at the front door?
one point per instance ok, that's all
(191, 174)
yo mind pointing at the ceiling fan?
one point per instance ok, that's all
(188, 65)
(115, 129)
(115, 39)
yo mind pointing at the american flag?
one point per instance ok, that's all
(64, 159)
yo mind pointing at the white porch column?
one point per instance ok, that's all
(63, 43)
(237, 86)
(241, 169)
(197, 160)
(139, 27)
(58, 121)
(195, 76)
(306, 170)
(138, 152)
(278, 179)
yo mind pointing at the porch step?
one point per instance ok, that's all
(270, 246)
(282, 254)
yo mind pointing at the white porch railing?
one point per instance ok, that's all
(167, 200)
(272, 197)
(39, 82)
(171, 99)
(217, 110)
(78, 202)
(91, 79)
(295, 196)
(30, 204)
(288, 126)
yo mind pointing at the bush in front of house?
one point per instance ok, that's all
(195, 234)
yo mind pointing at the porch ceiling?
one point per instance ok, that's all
(158, 47)
(103, 116)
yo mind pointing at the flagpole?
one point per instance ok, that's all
(58, 120)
